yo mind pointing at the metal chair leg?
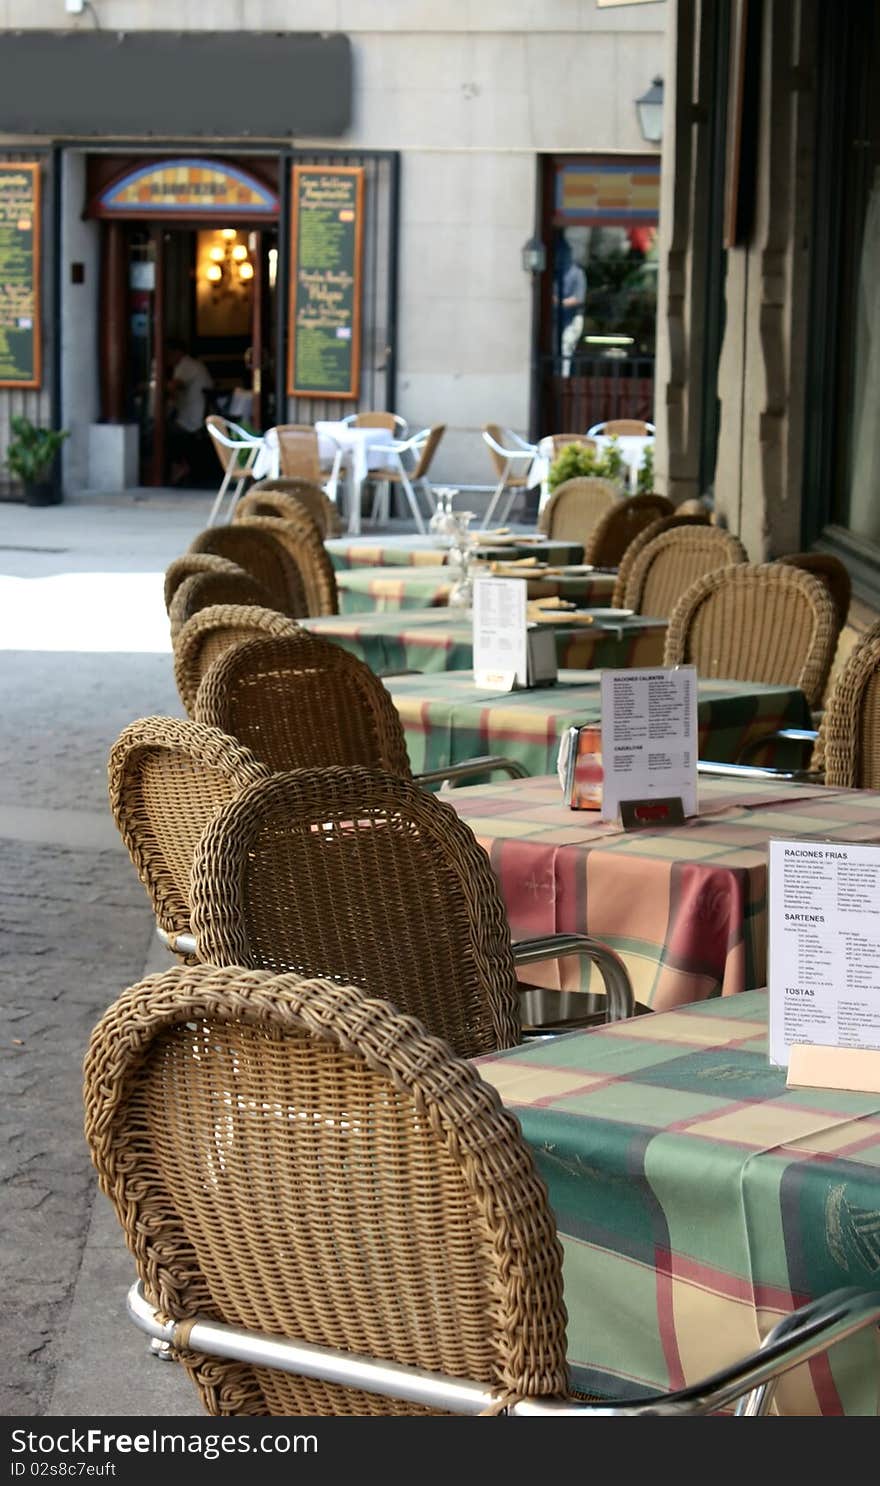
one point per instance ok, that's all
(496, 496)
(218, 499)
(413, 501)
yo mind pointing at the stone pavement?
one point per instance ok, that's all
(84, 651)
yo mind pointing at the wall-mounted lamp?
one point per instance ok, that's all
(649, 109)
(534, 256)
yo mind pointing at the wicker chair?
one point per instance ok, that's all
(560, 441)
(421, 447)
(202, 590)
(287, 498)
(390, 421)
(167, 778)
(612, 535)
(365, 878)
(833, 574)
(212, 631)
(303, 543)
(668, 565)
(576, 507)
(623, 428)
(302, 702)
(195, 562)
(637, 545)
(261, 555)
(296, 1160)
(756, 622)
(299, 452)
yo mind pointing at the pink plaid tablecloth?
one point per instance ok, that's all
(686, 906)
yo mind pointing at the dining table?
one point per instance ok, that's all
(684, 905)
(447, 718)
(413, 550)
(698, 1200)
(364, 590)
(441, 639)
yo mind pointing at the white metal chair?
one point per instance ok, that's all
(617, 427)
(293, 450)
(238, 452)
(421, 449)
(512, 458)
(391, 421)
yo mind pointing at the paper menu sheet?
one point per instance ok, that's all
(824, 961)
(649, 736)
(500, 637)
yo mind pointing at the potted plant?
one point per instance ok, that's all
(577, 459)
(30, 456)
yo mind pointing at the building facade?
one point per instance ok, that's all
(769, 316)
(463, 120)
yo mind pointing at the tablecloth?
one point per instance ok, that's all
(363, 590)
(697, 1199)
(418, 551)
(448, 719)
(435, 640)
(686, 906)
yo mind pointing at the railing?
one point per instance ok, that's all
(594, 389)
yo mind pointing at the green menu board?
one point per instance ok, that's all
(19, 274)
(325, 281)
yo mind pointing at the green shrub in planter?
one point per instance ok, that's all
(575, 460)
(30, 455)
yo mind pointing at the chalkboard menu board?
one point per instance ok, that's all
(19, 274)
(325, 281)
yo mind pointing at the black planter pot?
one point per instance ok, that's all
(41, 493)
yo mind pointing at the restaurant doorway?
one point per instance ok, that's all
(189, 259)
(211, 292)
(598, 297)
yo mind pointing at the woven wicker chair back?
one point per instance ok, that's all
(261, 555)
(851, 722)
(301, 702)
(429, 449)
(833, 574)
(576, 507)
(295, 1157)
(612, 535)
(496, 432)
(166, 779)
(638, 543)
(301, 539)
(626, 427)
(287, 498)
(212, 631)
(194, 562)
(756, 622)
(369, 880)
(299, 452)
(377, 420)
(668, 565)
(201, 590)
(560, 441)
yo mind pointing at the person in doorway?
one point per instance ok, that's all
(188, 383)
(571, 297)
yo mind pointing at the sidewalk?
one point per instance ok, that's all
(84, 651)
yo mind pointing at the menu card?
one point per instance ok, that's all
(649, 737)
(824, 961)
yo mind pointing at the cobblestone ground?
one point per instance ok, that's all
(76, 927)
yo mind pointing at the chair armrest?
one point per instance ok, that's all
(180, 944)
(618, 986)
(758, 771)
(490, 763)
(782, 735)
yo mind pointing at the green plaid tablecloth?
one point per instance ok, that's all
(698, 1200)
(685, 906)
(448, 719)
(416, 551)
(435, 640)
(365, 590)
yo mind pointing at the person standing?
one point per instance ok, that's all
(189, 381)
(571, 298)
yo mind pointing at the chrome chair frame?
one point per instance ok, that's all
(252, 445)
(803, 1334)
(523, 451)
(395, 453)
